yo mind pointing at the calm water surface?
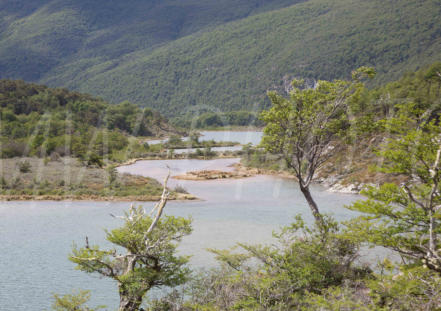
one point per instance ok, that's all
(242, 137)
(36, 237)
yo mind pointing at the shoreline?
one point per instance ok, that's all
(240, 171)
(96, 198)
(233, 129)
(133, 161)
(331, 185)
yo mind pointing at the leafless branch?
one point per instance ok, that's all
(160, 206)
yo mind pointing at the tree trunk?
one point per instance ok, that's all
(127, 303)
(312, 205)
(130, 301)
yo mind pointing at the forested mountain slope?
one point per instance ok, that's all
(198, 66)
(37, 36)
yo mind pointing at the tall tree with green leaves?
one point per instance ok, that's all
(150, 254)
(307, 127)
(406, 218)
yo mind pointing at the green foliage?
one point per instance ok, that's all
(405, 218)
(24, 166)
(411, 289)
(304, 261)
(339, 298)
(174, 140)
(259, 158)
(412, 99)
(150, 260)
(94, 159)
(113, 174)
(3, 183)
(39, 121)
(307, 128)
(214, 120)
(73, 302)
(293, 121)
(131, 119)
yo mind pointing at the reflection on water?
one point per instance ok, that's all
(36, 237)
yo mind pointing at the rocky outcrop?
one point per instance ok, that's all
(214, 174)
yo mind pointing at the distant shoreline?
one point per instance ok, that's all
(94, 198)
(181, 156)
(232, 128)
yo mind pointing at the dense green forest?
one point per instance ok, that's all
(215, 56)
(39, 121)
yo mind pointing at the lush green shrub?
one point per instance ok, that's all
(304, 260)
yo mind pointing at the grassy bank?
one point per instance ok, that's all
(69, 179)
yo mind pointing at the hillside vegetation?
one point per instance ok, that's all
(415, 95)
(54, 145)
(38, 36)
(40, 121)
(212, 56)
